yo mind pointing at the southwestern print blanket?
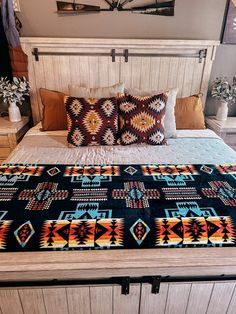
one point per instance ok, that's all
(63, 207)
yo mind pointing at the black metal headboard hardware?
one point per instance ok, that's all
(124, 282)
(126, 54)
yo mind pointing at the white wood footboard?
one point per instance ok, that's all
(174, 297)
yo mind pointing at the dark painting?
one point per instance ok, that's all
(229, 35)
(160, 7)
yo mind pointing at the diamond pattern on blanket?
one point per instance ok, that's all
(106, 207)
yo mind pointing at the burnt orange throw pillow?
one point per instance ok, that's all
(189, 113)
(54, 112)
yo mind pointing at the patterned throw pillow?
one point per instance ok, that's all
(170, 124)
(91, 121)
(141, 119)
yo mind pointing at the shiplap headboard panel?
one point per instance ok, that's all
(171, 68)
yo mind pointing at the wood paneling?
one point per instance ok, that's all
(199, 298)
(93, 74)
(145, 72)
(55, 300)
(103, 70)
(101, 300)
(126, 303)
(221, 297)
(164, 73)
(10, 302)
(125, 69)
(232, 305)
(78, 300)
(173, 72)
(114, 71)
(174, 298)
(145, 78)
(177, 298)
(153, 303)
(32, 301)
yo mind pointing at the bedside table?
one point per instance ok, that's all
(225, 129)
(10, 135)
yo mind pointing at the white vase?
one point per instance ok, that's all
(14, 112)
(222, 112)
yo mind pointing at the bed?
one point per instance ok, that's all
(168, 280)
(190, 146)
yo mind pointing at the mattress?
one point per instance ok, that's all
(190, 146)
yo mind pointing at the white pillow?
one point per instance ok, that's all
(100, 92)
(169, 121)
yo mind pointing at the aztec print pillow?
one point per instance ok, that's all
(169, 122)
(141, 119)
(91, 121)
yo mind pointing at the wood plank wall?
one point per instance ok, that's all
(145, 72)
(174, 298)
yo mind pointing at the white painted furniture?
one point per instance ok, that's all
(174, 298)
(10, 135)
(225, 129)
(139, 63)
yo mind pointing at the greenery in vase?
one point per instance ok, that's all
(15, 90)
(223, 90)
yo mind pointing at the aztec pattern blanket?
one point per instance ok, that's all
(63, 207)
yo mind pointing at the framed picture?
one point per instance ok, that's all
(229, 27)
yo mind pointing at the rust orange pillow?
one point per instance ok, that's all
(54, 112)
(189, 113)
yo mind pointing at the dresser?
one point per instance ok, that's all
(225, 129)
(10, 135)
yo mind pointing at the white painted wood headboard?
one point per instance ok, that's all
(139, 63)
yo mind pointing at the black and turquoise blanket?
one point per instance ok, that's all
(78, 207)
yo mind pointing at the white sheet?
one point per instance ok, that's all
(190, 146)
(180, 133)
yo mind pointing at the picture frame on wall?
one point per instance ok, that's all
(229, 27)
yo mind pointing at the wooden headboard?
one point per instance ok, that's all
(139, 63)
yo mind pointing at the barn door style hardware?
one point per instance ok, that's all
(200, 55)
(36, 53)
(157, 7)
(124, 282)
(113, 54)
(125, 285)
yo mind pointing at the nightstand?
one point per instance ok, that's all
(225, 129)
(10, 135)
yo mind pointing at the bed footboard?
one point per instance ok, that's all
(174, 297)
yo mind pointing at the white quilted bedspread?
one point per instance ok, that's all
(190, 146)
